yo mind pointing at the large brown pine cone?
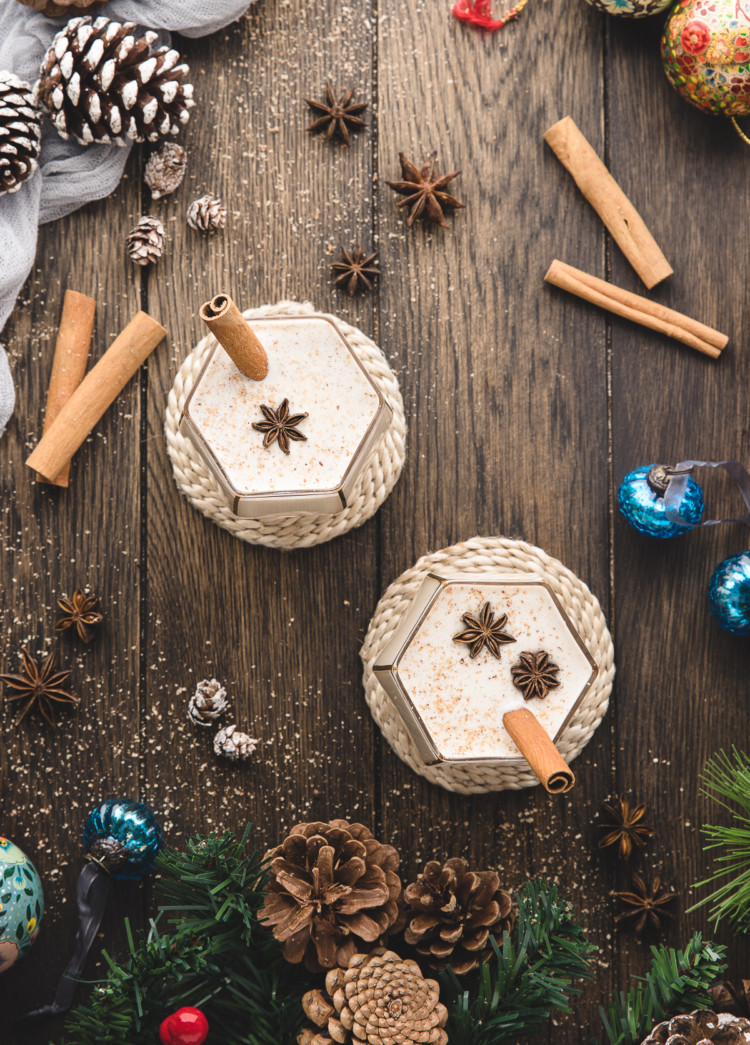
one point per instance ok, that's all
(20, 133)
(732, 997)
(55, 8)
(334, 891)
(453, 912)
(701, 1027)
(101, 84)
(379, 999)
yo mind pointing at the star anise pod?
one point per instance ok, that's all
(279, 425)
(355, 268)
(424, 192)
(483, 631)
(624, 826)
(535, 675)
(644, 906)
(338, 116)
(40, 686)
(80, 611)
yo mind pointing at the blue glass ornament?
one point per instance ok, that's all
(124, 837)
(729, 593)
(641, 500)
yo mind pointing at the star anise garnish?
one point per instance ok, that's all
(424, 192)
(280, 425)
(80, 611)
(355, 268)
(40, 686)
(483, 631)
(338, 116)
(645, 905)
(624, 826)
(535, 675)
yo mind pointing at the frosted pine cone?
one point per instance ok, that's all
(146, 241)
(56, 8)
(165, 170)
(701, 1027)
(20, 133)
(233, 744)
(206, 214)
(379, 998)
(100, 84)
(208, 702)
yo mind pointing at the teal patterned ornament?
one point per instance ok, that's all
(21, 903)
(631, 8)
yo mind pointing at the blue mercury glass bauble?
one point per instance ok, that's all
(643, 505)
(123, 836)
(729, 593)
(21, 903)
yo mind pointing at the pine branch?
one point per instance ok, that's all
(726, 779)
(677, 982)
(530, 977)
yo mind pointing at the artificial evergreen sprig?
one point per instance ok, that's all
(216, 957)
(726, 779)
(678, 981)
(528, 978)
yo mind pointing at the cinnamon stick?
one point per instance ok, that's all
(636, 308)
(234, 334)
(532, 741)
(98, 390)
(609, 201)
(69, 363)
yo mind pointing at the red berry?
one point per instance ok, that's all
(187, 1026)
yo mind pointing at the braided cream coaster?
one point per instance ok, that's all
(486, 555)
(290, 531)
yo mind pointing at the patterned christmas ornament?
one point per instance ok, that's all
(101, 84)
(641, 500)
(729, 593)
(705, 49)
(631, 8)
(187, 1026)
(21, 904)
(20, 133)
(123, 837)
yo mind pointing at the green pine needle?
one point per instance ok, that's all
(726, 779)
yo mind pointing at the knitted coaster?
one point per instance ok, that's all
(490, 555)
(378, 478)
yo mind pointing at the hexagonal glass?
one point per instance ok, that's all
(453, 705)
(311, 364)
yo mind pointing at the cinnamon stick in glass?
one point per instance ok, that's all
(533, 742)
(636, 308)
(234, 334)
(98, 390)
(69, 362)
(609, 201)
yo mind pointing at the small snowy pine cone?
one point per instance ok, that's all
(146, 241)
(206, 214)
(233, 744)
(207, 703)
(165, 170)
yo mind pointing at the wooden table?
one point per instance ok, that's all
(525, 409)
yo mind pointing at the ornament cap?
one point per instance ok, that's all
(659, 476)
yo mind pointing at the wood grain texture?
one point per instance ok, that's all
(525, 407)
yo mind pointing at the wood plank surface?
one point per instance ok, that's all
(525, 408)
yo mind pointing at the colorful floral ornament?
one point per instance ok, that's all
(21, 904)
(631, 8)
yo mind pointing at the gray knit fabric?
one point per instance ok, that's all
(69, 174)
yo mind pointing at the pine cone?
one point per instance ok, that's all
(206, 214)
(379, 999)
(100, 84)
(146, 241)
(453, 911)
(207, 703)
(165, 170)
(56, 8)
(701, 1027)
(334, 890)
(233, 744)
(732, 997)
(20, 133)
